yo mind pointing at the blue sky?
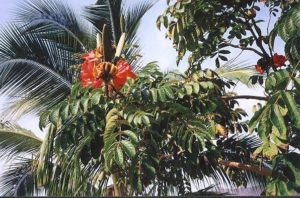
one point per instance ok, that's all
(155, 48)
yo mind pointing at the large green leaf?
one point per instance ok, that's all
(278, 120)
(128, 148)
(278, 80)
(287, 28)
(257, 117)
(119, 159)
(293, 109)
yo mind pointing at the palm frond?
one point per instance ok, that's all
(73, 177)
(208, 191)
(37, 66)
(106, 12)
(33, 86)
(236, 71)
(16, 140)
(238, 148)
(19, 179)
(133, 16)
(54, 20)
(33, 69)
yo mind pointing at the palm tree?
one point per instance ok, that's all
(38, 53)
(21, 146)
(39, 57)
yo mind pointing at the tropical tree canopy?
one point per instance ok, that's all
(144, 131)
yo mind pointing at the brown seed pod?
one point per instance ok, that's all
(107, 67)
(251, 13)
(113, 70)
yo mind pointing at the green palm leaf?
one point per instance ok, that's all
(15, 140)
(33, 85)
(19, 179)
(55, 20)
(106, 12)
(236, 71)
(133, 16)
(232, 148)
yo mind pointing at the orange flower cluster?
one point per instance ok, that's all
(94, 72)
(278, 61)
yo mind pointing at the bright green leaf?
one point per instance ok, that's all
(133, 137)
(128, 148)
(169, 92)
(119, 158)
(154, 94)
(189, 89)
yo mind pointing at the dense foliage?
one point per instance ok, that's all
(209, 28)
(157, 129)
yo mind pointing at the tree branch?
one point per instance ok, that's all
(256, 169)
(244, 48)
(245, 97)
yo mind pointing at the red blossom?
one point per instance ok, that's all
(278, 60)
(124, 70)
(259, 69)
(88, 74)
(95, 73)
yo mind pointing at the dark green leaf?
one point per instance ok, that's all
(293, 110)
(162, 94)
(44, 119)
(277, 119)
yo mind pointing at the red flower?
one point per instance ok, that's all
(278, 60)
(95, 73)
(259, 69)
(88, 74)
(124, 70)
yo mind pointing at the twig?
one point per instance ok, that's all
(245, 97)
(271, 53)
(244, 48)
(118, 92)
(258, 42)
